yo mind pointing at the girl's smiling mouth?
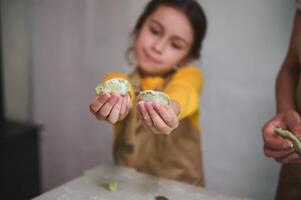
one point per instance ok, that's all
(150, 58)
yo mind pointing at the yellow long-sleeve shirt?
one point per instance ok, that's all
(184, 87)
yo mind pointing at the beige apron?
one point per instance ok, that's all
(175, 156)
(289, 186)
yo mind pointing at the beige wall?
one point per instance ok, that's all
(75, 43)
(246, 43)
(16, 58)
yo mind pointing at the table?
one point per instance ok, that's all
(132, 185)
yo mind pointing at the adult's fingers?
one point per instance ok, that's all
(294, 124)
(98, 102)
(271, 140)
(291, 158)
(277, 154)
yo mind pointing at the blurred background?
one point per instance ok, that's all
(56, 51)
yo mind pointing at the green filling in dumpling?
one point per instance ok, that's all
(154, 96)
(116, 85)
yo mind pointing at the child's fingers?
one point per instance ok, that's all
(169, 117)
(144, 114)
(98, 102)
(123, 108)
(158, 123)
(128, 105)
(114, 114)
(107, 107)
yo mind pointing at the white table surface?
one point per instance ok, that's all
(132, 185)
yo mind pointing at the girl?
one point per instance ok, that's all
(155, 139)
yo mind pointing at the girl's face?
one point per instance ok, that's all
(164, 41)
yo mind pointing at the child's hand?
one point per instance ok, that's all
(158, 118)
(276, 147)
(111, 107)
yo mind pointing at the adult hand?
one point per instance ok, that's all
(111, 107)
(158, 118)
(275, 146)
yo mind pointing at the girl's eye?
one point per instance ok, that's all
(175, 45)
(154, 31)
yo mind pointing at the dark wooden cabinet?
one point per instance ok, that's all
(19, 151)
(19, 161)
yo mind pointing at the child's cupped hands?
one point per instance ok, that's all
(111, 107)
(159, 119)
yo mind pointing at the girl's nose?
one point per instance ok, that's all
(159, 46)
